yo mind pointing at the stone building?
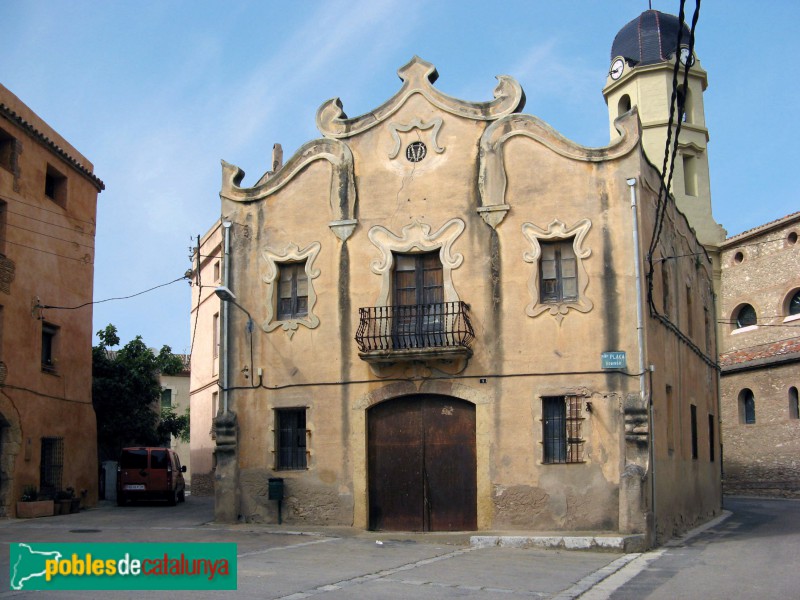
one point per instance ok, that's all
(760, 359)
(48, 200)
(439, 316)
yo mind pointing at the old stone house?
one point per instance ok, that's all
(439, 316)
(760, 359)
(48, 201)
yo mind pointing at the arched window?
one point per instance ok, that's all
(624, 105)
(745, 316)
(793, 306)
(794, 409)
(747, 407)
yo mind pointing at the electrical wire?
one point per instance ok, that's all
(55, 212)
(72, 229)
(52, 237)
(110, 299)
(86, 259)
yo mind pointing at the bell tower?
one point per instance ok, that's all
(643, 57)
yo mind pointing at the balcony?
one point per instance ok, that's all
(389, 334)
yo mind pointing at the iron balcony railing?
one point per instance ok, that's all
(420, 326)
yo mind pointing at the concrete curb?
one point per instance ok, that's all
(602, 543)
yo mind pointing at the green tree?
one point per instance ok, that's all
(126, 394)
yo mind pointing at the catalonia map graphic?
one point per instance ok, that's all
(27, 564)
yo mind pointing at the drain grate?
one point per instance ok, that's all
(85, 530)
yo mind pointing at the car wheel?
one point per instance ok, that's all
(172, 497)
(121, 501)
(182, 496)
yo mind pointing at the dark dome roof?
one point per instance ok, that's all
(650, 38)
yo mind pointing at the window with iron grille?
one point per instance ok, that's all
(51, 465)
(559, 271)
(292, 291)
(561, 429)
(290, 438)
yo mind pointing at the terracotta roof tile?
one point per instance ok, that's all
(762, 351)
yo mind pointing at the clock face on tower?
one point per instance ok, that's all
(686, 56)
(617, 67)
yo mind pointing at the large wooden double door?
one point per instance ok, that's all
(422, 464)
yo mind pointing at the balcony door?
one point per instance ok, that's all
(418, 300)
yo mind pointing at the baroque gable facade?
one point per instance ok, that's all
(422, 306)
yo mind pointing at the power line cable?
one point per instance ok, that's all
(53, 237)
(183, 277)
(86, 259)
(72, 229)
(55, 212)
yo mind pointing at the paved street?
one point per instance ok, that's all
(749, 555)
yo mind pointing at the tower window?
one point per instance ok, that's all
(624, 105)
(685, 99)
(690, 175)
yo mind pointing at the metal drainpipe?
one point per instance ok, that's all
(640, 335)
(226, 263)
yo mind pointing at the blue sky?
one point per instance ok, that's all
(156, 93)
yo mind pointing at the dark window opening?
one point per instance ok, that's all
(665, 288)
(561, 430)
(49, 333)
(559, 272)
(166, 398)
(55, 186)
(624, 105)
(794, 304)
(711, 438)
(746, 316)
(8, 154)
(2, 228)
(693, 411)
(290, 429)
(794, 407)
(747, 407)
(292, 291)
(51, 465)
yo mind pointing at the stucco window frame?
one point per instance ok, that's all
(417, 237)
(557, 231)
(292, 253)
